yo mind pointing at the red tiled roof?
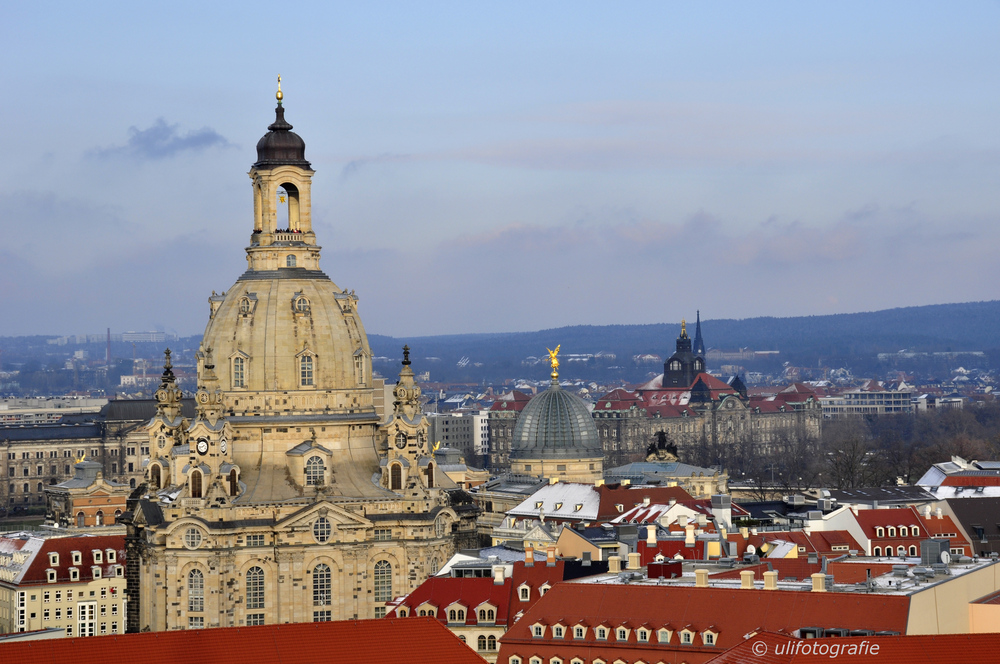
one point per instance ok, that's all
(764, 648)
(344, 642)
(732, 613)
(901, 516)
(65, 546)
(515, 401)
(442, 592)
(802, 569)
(629, 496)
(971, 480)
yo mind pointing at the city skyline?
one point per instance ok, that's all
(571, 159)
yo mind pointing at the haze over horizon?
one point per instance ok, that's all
(505, 168)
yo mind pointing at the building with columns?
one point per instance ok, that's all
(285, 498)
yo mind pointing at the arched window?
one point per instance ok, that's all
(913, 550)
(131, 483)
(234, 483)
(118, 513)
(440, 524)
(99, 518)
(245, 305)
(395, 477)
(383, 581)
(322, 584)
(452, 616)
(302, 305)
(877, 551)
(80, 520)
(315, 469)
(290, 260)
(481, 642)
(154, 476)
(675, 365)
(239, 372)
(196, 484)
(430, 476)
(306, 370)
(901, 552)
(255, 588)
(491, 642)
(196, 590)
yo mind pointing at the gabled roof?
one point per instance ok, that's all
(342, 642)
(514, 401)
(629, 496)
(901, 516)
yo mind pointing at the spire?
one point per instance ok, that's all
(168, 396)
(699, 344)
(279, 95)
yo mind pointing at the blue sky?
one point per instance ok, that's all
(509, 166)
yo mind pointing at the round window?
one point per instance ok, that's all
(192, 538)
(322, 529)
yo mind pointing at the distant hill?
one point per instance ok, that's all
(833, 340)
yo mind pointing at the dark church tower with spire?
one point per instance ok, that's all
(683, 366)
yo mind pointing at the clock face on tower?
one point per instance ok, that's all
(202, 446)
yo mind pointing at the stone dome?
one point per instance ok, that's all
(555, 425)
(281, 146)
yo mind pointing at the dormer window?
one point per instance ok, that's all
(879, 532)
(112, 556)
(642, 635)
(98, 555)
(663, 636)
(544, 588)
(301, 305)
(557, 632)
(95, 572)
(524, 592)
(619, 507)
(50, 575)
(538, 505)
(687, 638)
(892, 531)
(239, 372)
(914, 531)
(306, 370)
(579, 632)
(579, 506)
(74, 574)
(77, 557)
(54, 559)
(601, 633)
(538, 631)
(559, 506)
(708, 638)
(622, 634)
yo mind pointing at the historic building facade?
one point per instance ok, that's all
(285, 498)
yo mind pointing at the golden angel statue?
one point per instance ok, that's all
(553, 360)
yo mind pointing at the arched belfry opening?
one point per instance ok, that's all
(288, 208)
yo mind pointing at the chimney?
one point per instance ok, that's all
(529, 557)
(746, 579)
(819, 582)
(553, 480)
(651, 535)
(938, 513)
(771, 580)
(498, 575)
(614, 564)
(689, 535)
(927, 512)
(634, 561)
(744, 532)
(673, 501)
(682, 520)
(550, 556)
(645, 501)
(701, 578)
(702, 520)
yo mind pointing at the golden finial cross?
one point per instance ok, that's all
(279, 96)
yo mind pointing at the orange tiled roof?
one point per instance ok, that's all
(344, 642)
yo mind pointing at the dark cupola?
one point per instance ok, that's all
(281, 146)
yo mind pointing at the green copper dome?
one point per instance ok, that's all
(555, 425)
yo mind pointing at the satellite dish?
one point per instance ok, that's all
(751, 549)
(945, 557)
